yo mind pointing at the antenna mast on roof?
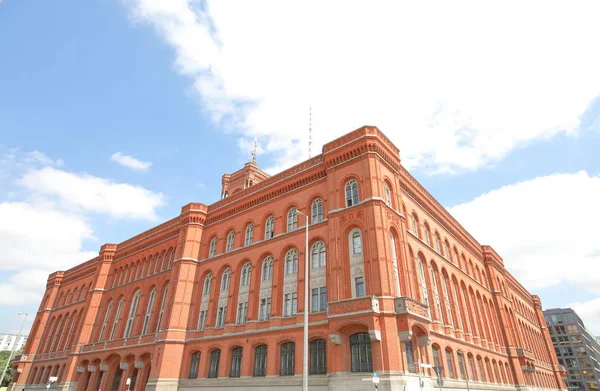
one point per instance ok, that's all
(254, 151)
(309, 132)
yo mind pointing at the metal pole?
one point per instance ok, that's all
(14, 346)
(306, 298)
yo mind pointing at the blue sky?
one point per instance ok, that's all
(503, 135)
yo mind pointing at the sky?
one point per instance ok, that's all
(115, 113)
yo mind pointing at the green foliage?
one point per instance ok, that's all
(4, 354)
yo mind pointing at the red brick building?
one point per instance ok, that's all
(213, 298)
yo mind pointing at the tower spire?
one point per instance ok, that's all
(254, 150)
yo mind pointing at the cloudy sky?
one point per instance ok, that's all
(115, 113)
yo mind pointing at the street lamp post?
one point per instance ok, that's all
(305, 350)
(14, 346)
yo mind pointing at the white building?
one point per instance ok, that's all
(8, 341)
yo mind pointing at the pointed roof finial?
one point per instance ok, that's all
(254, 151)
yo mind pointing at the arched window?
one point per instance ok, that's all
(356, 243)
(236, 362)
(422, 283)
(132, 311)
(427, 234)
(212, 249)
(395, 265)
(267, 269)
(287, 359)
(117, 318)
(436, 357)
(351, 193)
(260, 360)
(207, 283)
(246, 272)
(437, 243)
(194, 366)
(292, 220)
(447, 252)
(317, 211)
(225, 278)
(215, 357)
(317, 357)
(360, 353)
(318, 255)
(388, 194)
(230, 238)
(415, 225)
(105, 322)
(269, 227)
(450, 363)
(163, 304)
(291, 262)
(249, 235)
(149, 311)
(447, 302)
(436, 294)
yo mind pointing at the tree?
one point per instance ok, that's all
(4, 354)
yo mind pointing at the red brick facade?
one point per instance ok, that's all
(214, 297)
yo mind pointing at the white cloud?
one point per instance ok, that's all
(543, 228)
(94, 194)
(456, 85)
(130, 161)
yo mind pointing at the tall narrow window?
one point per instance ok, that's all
(287, 359)
(395, 265)
(194, 366)
(221, 314)
(447, 300)
(317, 211)
(265, 309)
(436, 242)
(242, 312)
(230, 238)
(447, 252)
(290, 305)
(106, 317)
(481, 370)
(436, 295)
(132, 311)
(269, 227)
(450, 364)
(356, 243)
(427, 234)
(246, 274)
(436, 357)
(212, 249)
(388, 194)
(359, 285)
(267, 269)
(291, 262)
(225, 279)
(319, 299)
(351, 193)
(422, 283)
(148, 314)
(260, 360)
(202, 320)
(163, 303)
(317, 357)
(318, 255)
(236, 363)
(292, 220)
(117, 318)
(461, 365)
(415, 225)
(249, 235)
(215, 356)
(360, 353)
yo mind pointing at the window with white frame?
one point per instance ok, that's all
(447, 252)
(291, 262)
(317, 255)
(436, 295)
(249, 235)
(317, 211)
(436, 242)
(117, 318)
(388, 194)
(356, 242)
(422, 283)
(264, 312)
(132, 312)
(447, 300)
(290, 304)
(230, 238)
(163, 304)
(221, 314)
(225, 279)
(292, 220)
(242, 312)
(269, 227)
(149, 308)
(351, 193)
(202, 320)
(319, 299)
(212, 249)
(246, 274)
(105, 322)
(207, 284)
(267, 269)
(359, 286)
(415, 225)
(427, 235)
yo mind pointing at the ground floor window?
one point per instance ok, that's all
(260, 361)
(360, 348)
(287, 359)
(317, 357)
(215, 356)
